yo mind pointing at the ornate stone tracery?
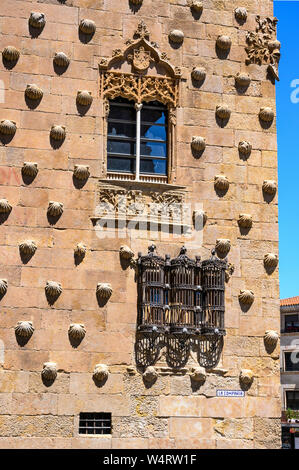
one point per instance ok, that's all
(141, 54)
(262, 45)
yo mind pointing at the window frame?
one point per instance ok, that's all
(138, 140)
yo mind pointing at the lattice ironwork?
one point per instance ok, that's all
(213, 276)
(181, 298)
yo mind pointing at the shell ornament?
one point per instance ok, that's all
(49, 371)
(126, 252)
(24, 329)
(101, 372)
(246, 297)
(222, 246)
(77, 331)
(28, 247)
(198, 144)
(104, 290)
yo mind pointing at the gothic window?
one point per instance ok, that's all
(140, 92)
(137, 138)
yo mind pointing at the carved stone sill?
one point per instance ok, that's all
(143, 202)
(144, 185)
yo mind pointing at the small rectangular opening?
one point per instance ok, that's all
(95, 423)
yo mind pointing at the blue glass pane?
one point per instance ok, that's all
(153, 149)
(120, 146)
(120, 129)
(153, 166)
(121, 164)
(153, 132)
(153, 115)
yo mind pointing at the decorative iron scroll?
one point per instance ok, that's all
(262, 45)
(141, 53)
(181, 297)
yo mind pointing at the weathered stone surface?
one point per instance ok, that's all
(175, 411)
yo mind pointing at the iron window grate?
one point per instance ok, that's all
(95, 423)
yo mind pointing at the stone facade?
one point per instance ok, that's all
(173, 411)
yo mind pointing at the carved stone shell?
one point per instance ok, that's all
(53, 288)
(7, 127)
(24, 329)
(28, 247)
(11, 53)
(77, 331)
(241, 14)
(274, 44)
(243, 79)
(198, 143)
(246, 376)
(246, 297)
(196, 6)
(30, 168)
(55, 208)
(223, 111)
(245, 148)
(222, 246)
(177, 36)
(61, 59)
(150, 374)
(126, 252)
(199, 374)
(270, 260)
(271, 337)
(80, 249)
(58, 132)
(49, 371)
(104, 290)
(245, 220)
(3, 286)
(221, 182)
(198, 74)
(266, 114)
(87, 26)
(224, 42)
(34, 92)
(81, 172)
(101, 372)
(270, 187)
(5, 207)
(37, 19)
(84, 97)
(200, 215)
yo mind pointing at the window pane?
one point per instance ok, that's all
(127, 113)
(121, 129)
(126, 165)
(153, 166)
(292, 400)
(153, 115)
(121, 146)
(153, 132)
(153, 149)
(289, 364)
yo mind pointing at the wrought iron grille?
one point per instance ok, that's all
(95, 423)
(180, 297)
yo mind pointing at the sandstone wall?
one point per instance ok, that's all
(172, 412)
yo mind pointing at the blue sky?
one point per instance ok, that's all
(288, 146)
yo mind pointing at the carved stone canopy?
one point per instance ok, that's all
(142, 55)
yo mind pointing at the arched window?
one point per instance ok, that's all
(137, 138)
